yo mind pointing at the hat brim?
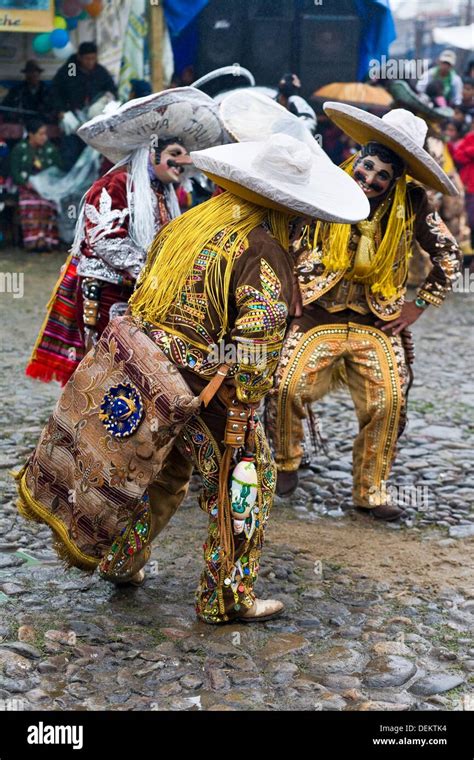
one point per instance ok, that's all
(182, 112)
(402, 93)
(364, 127)
(330, 194)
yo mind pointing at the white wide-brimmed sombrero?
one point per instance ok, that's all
(249, 115)
(182, 112)
(285, 174)
(399, 130)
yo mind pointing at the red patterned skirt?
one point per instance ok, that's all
(38, 219)
(60, 345)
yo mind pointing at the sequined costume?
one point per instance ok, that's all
(260, 292)
(107, 257)
(338, 327)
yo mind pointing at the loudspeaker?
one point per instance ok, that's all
(269, 49)
(329, 50)
(271, 9)
(324, 8)
(222, 27)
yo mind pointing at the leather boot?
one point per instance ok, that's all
(261, 610)
(287, 482)
(385, 512)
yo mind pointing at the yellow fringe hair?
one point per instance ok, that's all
(173, 253)
(334, 239)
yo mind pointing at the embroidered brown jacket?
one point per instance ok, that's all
(334, 291)
(260, 293)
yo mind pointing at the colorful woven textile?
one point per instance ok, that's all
(105, 442)
(38, 219)
(59, 347)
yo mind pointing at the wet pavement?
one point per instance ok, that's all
(377, 616)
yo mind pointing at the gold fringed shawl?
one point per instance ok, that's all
(381, 263)
(175, 249)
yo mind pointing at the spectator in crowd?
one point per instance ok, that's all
(38, 217)
(462, 152)
(139, 89)
(435, 93)
(183, 78)
(462, 119)
(444, 72)
(76, 88)
(451, 131)
(467, 102)
(30, 95)
(76, 85)
(288, 96)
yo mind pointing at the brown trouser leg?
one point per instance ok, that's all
(160, 503)
(219, 597)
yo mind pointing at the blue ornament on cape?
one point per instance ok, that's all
(121, 410)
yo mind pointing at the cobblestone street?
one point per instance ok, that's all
(378, 616)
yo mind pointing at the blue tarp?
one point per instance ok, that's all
(185, 47)
(180, 13)
(378, 31)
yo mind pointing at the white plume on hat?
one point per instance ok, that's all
(283, 172)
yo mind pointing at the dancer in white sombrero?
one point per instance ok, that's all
(148, 140)
(353, 281)
(219, 274)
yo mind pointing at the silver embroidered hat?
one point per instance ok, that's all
(183, 112)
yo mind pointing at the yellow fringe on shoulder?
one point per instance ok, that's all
(381, 276)
(30, 509)
(173, 253)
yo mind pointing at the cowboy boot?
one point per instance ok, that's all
(261, 610)
(136, 580)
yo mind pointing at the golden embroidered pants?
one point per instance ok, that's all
(220, 596)
(377, 377)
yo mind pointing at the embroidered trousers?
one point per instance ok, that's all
(377, 377)
(219, 597)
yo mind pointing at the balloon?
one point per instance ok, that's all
(94, 9)
(42, 44)
(59, 38)
(71, 8)
(63, 53)
(72, 22)
(60, 22)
